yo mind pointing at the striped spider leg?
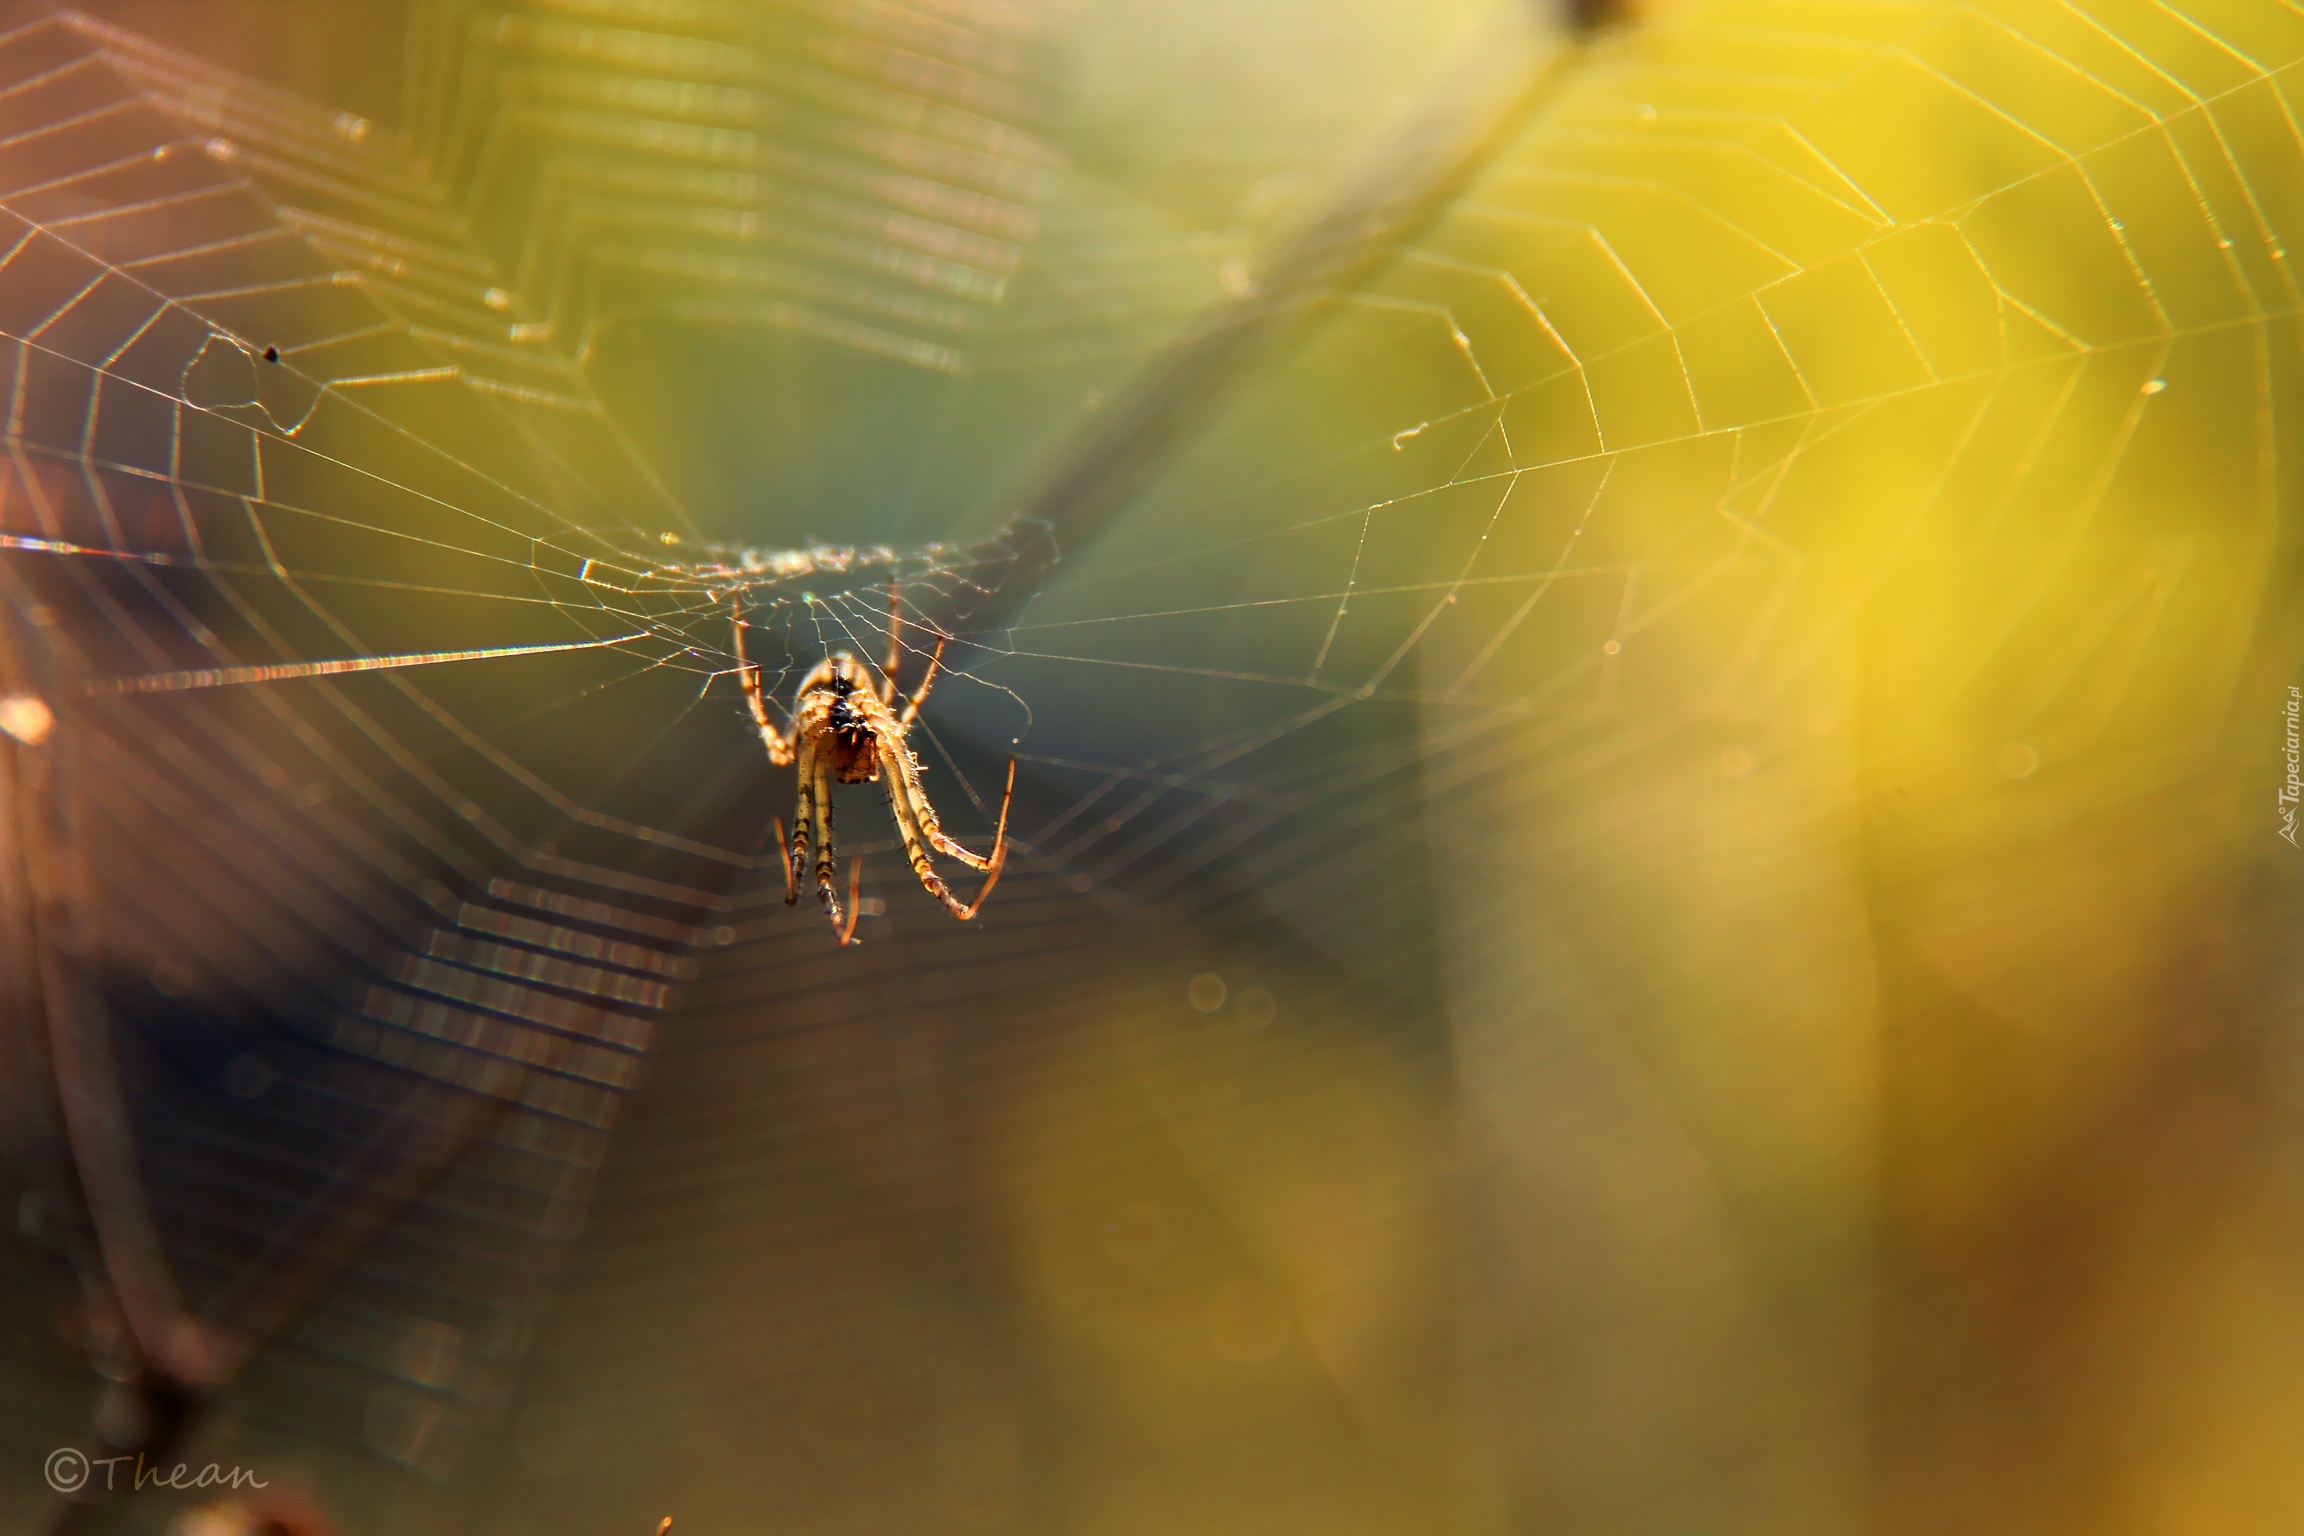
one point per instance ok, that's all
(846, 728)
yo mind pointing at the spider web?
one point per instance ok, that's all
(411, 941)
(1775, 309)
(1553, 489)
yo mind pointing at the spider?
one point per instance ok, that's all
(844, 726)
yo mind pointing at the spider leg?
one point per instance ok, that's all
(827, 856)
(847, 930)
(916, 822)
(791, 872)
(806, 824)
(999, 859)
(748, 678)
(932, 826)
(949, 848)
(895, 646)
(927, 681)
(902, 790)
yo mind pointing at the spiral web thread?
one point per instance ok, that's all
(855, 174)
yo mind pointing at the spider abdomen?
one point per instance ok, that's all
(855, 759)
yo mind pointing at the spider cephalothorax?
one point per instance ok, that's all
(845, 727)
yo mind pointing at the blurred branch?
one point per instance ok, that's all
(1509, 68)
(70, 1121)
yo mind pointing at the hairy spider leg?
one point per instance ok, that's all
(927, 681)
(895, 645)
(999, 860)
(900, 805)
(748, 678)
(855, 900)
(796, 860)
(803, 823)
(827, 856)
(791, 871)
(916, 824)
(931, 825)
(828, 859)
